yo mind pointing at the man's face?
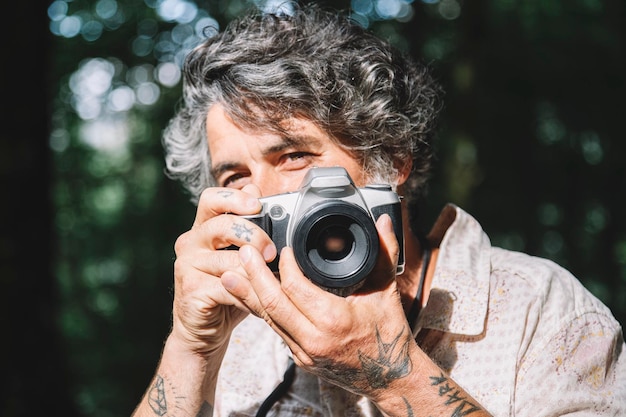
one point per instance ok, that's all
(274, 163)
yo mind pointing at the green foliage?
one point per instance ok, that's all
(530, 144)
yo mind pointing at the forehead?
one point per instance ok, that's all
(220, 126)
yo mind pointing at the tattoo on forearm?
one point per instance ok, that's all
(156, 398)
(393, 361)
(409, 409)
(453, 396)
(225, 193)
(206, 410)
(241, 231)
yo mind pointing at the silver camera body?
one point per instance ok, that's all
(330, 224)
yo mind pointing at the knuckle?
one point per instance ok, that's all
(178, 270)
(334, 323)
(227, 260)
(304, 361)
(271, 302)
(181, 243)
(316, 352)
(291, 288)
(205, 197)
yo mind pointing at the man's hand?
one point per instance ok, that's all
(204, 313)
(360, 342)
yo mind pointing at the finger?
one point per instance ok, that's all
(230, 230)
(238, 286)
(241, 287)
(307, 296)
(389, 244)
(215, 263)
(218, 200)
(385, 269)
(221, 232)
(272, 303)
(192, 284)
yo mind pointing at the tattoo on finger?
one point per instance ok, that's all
(242, 232)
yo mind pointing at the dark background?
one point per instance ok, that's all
(531, 144)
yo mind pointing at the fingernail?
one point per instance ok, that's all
(229, 281)
(252, 203)
(385, 223)
(244, 254)
(269, 252)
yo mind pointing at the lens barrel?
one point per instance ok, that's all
(336, 245)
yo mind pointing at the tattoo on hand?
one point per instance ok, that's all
(393, 361)
(453, 395)
(225, 193)
(241, 231)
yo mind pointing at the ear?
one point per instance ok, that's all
(404, 170)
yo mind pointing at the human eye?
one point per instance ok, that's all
(297, 159)
(236, 180)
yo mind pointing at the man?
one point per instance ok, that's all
(467, 329)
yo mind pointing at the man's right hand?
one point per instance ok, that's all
(204, 313)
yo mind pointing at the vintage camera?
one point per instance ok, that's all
(330, 224)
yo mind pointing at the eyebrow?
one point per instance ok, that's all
(291, 141)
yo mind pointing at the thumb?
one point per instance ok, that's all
(384, 272)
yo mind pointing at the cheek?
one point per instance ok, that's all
(278, 184)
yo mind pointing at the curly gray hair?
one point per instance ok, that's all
(315, 64)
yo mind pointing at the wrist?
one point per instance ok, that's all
(184, 351)
(204, 343)
(182, 363)
(427, 389)
(400, 394)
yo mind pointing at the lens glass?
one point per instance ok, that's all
(335, 243)
(337, 246)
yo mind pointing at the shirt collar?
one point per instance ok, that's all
(459, 294)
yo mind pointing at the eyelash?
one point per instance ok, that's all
(231, 179)
(291, 156)
(296, 155)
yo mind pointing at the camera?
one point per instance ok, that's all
(330, 224)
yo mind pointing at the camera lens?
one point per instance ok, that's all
(336, 244)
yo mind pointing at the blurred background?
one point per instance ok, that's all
(531, 143)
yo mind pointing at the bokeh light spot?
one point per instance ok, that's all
(148, 93)
(106, 9)
(57, 10)
(70, 26)
(168, 74)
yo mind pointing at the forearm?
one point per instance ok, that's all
(427, 391)
(184, 384)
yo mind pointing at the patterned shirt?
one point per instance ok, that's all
(518, 333)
